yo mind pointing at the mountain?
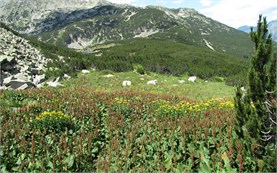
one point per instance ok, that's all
(272, 28)
(22, 15)
(246, 28)
(82, 24)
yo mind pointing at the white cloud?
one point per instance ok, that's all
(206, 2)
(177, 1)
(236, 13)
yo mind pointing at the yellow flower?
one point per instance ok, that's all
(54, 114)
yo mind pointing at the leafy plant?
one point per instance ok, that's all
(53, 121)
(139, 69)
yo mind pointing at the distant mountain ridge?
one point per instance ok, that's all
(22, 15)
(81, 24)
(272, 28)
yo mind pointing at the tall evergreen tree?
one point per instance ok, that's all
(256, 109)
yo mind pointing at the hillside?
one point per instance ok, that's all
(78, 26)
(166, 57)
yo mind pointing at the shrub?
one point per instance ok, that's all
(105, 72)
(53, 121)
(139, 69)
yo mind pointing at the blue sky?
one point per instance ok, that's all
(234, 13)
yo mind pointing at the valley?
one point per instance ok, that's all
(95, 86)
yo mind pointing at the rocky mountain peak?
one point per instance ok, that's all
(22, 14)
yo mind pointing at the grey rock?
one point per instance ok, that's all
(35, 71)
(39, 79)
(21, 76)
(6, 81)
(3, 88)
(3, 76)
(20, 62)
(5, 59)
(7, 62)
(15, 84)
(25, 86)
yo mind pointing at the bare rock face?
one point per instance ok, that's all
(14, 13)
(22, 66)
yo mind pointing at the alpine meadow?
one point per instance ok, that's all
(96, 86)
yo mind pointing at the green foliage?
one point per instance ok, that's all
(167, 84)
(256, 110)
(120, 131)
(168, 58)
(53, 121)
(106, 72)
(139, 69)
(12, 98)
(172, 58)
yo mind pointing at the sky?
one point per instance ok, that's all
(234, 13)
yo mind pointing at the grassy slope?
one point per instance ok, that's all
(167, 84)
(173, 58)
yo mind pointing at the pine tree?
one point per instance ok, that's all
(256, 110)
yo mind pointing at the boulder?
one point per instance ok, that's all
(6, 59)
(3, 76)
(3, 88)
(66, 77)
(126, 83)
(53, 84)
(192, 78)
(38, 79)
(152, 82)
(20, 62)
(85, 71)
(181, 81)
(6, 81)
(108, 76)
(15, 84)
(21, 76)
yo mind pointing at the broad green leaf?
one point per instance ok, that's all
(18, 161)
(50, 164)
(16, 169)
(4, 170)
(168, 163)
(1, 152)
(94, 150)
(69, 160)
(23, 156)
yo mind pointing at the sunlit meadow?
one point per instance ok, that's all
(86, 129)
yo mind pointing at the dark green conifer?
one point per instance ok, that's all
(256, 110)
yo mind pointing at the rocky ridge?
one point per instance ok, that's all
(23, 15)
(22, 66)
(82, 24)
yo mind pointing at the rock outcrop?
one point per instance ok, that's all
(22, 66)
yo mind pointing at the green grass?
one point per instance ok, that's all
(167, 84)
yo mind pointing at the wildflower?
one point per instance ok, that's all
(54, 114)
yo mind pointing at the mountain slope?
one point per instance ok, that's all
(22, 65)
(80, 27)
(167, 57)
(272, 29)
(24, 15)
